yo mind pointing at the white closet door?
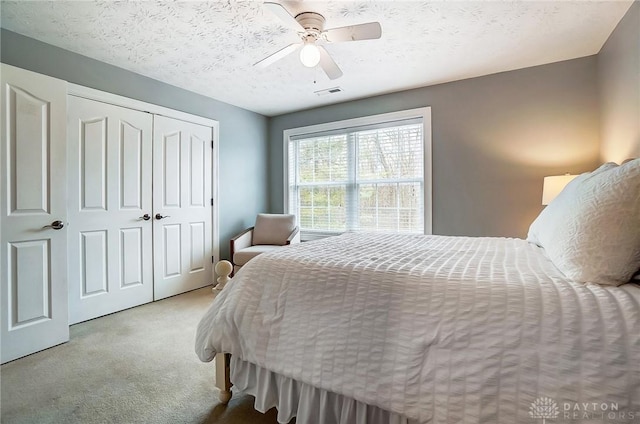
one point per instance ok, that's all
(110, 243)
(181, 206)
(33, 218)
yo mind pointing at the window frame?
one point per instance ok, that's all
(423, 113)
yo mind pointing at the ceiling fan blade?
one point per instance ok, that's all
(284, 15)
(369, 31)
(280, 54)
(328, 65)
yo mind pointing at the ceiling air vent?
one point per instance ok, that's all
(333, 90)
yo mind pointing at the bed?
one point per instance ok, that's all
(387, 328)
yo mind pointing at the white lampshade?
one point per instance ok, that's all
(310, 55)
(553, 185)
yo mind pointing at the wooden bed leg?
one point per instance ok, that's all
(223, 377)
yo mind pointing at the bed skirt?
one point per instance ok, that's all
(308, 404)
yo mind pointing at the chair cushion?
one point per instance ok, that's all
(273, 228)
(243, 256)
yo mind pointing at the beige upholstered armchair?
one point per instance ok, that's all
(272, 231)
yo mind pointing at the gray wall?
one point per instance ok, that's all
(494, 139)
(619, 84)
(243, 134)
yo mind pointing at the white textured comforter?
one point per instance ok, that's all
(438, 329)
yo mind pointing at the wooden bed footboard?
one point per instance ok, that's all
(223, 377)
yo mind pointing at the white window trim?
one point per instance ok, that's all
(424, 113)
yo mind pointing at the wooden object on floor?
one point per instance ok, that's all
(223, 269)
(223, 377)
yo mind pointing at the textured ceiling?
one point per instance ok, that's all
(209, 46)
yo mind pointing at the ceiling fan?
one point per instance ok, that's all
(310, 28)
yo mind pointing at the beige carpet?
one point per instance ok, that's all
(135, 366)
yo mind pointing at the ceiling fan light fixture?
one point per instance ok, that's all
(309, 55)
(310, 28)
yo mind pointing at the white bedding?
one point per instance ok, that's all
(437, 329)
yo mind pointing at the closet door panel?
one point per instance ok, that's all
(171, 169)
(93, 163)
(182, 208)
(132, 262)
(131, 167)
(33, 217)
(94, 259)
(110, 244)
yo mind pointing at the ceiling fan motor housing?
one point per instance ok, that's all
(312, 22)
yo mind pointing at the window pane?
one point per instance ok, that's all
(378, 207)
(323, 208)
(390, 153)
(395, 207)
(411, 207)
(323, 159)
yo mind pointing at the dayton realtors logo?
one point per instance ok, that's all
(546, 408)
(597, 411)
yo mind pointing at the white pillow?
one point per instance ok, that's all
(548, 215)
(591, 231)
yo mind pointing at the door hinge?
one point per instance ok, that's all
(212, 144)
(212, 260)
(212, 201)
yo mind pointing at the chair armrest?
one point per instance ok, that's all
(241, 241)
(294, 237)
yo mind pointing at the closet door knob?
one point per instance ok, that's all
(158, 216)
(146, 217)
(56, 225)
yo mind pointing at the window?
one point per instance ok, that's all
(365, 174)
